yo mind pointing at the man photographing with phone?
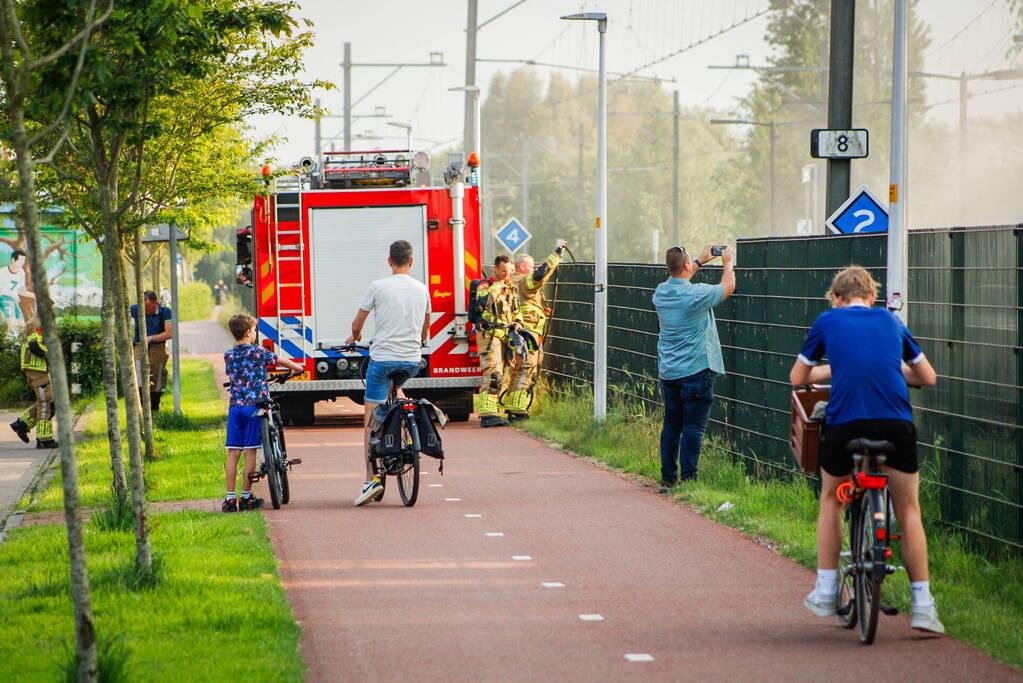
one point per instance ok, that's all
(688, 356)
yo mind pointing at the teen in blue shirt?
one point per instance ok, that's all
(872, 356)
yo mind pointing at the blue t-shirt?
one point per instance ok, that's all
(688, 340)
(866, 347)
(246, 367)
(154, 321)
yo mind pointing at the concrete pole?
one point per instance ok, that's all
(469, 132)
(600, 272)
(525, 182)
(347, 66)
(676, 171)
(317, 137)
(840, 95)
(773, 180)
(963, 174)
(898, 235)
(175, 330)
(582, 186)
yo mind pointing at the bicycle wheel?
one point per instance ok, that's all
(868, 577)
(282, 462)
(408, 471)
(273, 480)
(846, 605)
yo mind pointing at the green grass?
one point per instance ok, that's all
(217, 613)
(190, 449)
(980, 600)
(215, 610)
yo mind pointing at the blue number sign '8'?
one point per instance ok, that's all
(860, 213)
(513, 235)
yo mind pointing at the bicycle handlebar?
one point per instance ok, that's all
(280, 377)
(349, 347)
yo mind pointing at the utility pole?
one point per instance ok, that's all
(469, 133)
(436, 59)
(676, 171)
(898, 235)
(581, 186)
(317, 137)
(525, 182)
(840, 95)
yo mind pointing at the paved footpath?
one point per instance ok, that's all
(525, 563)
(20, 465)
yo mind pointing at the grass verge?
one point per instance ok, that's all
(980, 600)
(218, 611)
(190, 449)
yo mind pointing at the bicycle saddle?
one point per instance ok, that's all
(869, 446)
(398, 377)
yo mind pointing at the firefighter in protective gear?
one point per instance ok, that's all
(499, 306)
(529, 283)
(37, 373)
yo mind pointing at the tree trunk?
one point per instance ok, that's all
(143, 378)
(120, 484)
(129, 387)
(85, 631)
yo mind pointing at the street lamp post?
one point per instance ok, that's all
(600, 270)
(769, 124)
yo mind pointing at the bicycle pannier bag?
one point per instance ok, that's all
(805, 433)
(429, 438)
(385, 430)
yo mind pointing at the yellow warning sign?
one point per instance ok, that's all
(893, 194)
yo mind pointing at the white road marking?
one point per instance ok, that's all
(591, 617)
(494, 533)
(474, 515)
(436, 485)
(642, 657)
(552, 584)
(521, 558)
(452, 500)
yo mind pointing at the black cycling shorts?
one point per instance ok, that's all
(836, 462)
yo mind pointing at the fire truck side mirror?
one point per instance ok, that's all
(243, 246)
(243, 276)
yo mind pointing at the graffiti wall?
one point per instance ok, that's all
(73, 271)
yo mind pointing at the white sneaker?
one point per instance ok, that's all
(926, 619)
(822, 607)
(371, 490)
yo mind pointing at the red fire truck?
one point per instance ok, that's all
(320, 235)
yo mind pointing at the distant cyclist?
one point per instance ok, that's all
(872, 357)
(401, 307)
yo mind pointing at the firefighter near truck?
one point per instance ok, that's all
(315, 245)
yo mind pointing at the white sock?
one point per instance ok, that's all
(246, 494)
(230, 495)
(826, 579)
(922, 593)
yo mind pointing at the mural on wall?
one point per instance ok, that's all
(74, 271)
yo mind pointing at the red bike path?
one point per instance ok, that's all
(488, 576)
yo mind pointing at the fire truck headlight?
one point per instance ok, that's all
(380, 160)
(322, 368)
(421, 161)
(342, 364)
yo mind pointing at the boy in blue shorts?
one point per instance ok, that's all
(246, 366)
(872, 357)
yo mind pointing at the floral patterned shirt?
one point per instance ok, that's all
(246, 367)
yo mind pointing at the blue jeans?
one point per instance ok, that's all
(686, 410)
(378, 386)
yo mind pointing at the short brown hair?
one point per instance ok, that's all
(401, 253)
(852, 282)
(501, 258)
(675, 259)
(240, 324)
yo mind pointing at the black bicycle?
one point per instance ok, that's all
(863, 562)
(394, 445)
(274, 463)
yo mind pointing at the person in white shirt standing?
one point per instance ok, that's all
(402, 325)
(12, 289)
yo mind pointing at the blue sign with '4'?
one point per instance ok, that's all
(513, 234)
(861, 213)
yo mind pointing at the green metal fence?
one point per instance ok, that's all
(966, 310)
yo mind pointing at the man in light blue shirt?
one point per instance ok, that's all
(688, 357)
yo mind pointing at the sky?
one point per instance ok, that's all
(967, 35)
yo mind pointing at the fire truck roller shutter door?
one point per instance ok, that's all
(349, 251)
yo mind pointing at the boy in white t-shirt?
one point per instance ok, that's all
(402, 325)
(12, 288)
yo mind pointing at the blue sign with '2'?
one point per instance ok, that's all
(861, 213)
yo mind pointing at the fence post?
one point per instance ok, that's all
(956, 389)
(1018, 232)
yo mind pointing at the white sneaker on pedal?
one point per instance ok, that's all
(371, 490)
(926, 619)
(820, 606)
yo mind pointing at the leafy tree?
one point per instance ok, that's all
(21, 68)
